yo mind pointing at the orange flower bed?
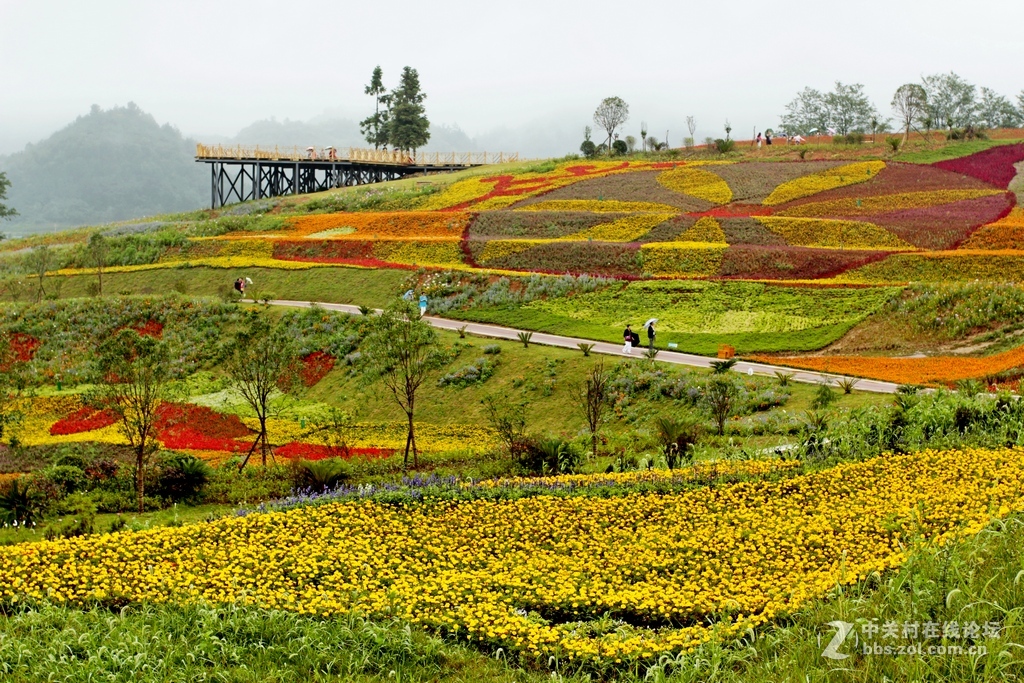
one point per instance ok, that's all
(381, 226)
(936, 370)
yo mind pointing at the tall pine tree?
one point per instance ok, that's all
(408, 127)
(375, 127)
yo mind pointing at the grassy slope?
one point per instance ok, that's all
(974, 580)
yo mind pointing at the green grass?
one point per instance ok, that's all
(951, 150)
(370, 287)
(699, 316)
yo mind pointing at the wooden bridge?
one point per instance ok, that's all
(242, 173)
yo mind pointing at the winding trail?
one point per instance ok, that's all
(665, 355)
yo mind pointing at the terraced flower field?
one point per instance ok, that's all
(783, 220)
(540, 575)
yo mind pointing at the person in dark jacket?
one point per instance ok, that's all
(650, 335)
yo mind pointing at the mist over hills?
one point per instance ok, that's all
(119, 164)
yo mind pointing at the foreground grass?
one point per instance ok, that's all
(976, 580)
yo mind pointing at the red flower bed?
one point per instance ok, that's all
(943, 226)
(314, 366)
(994, 166)
(792, 263)
(151, 328)
(85, 419)
(311, 451)
(23, 347)
(187, 426)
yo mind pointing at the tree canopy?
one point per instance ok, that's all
(952, 101)
(408, 128)
(610, 114)
(5, 211)
(845, 110)
(374, 127)
(910, 102)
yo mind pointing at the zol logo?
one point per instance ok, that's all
(843, 629)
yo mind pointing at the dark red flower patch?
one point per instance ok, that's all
(792, 263)
(944, 226)
(150, 328)
(315, 366)
(994, 166)
(612, 259)
(310, 451)
(85, 419)
(187, 426)
(895, 178)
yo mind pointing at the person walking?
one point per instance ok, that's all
(759, 141)
(767, 137)
(650, 335)
(627, 339)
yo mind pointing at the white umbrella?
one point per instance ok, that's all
(309, 149)
(248, 280)
(650, 322)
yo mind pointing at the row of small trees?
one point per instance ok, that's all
(938, 101)
(399, 118)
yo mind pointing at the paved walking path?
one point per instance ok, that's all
(665, 356)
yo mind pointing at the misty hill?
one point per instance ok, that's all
(108, 165)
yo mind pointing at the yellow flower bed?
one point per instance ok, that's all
(390, 435)
(941, 266)
(720, 559)
(40, 412)
(697, 182)
(381, 225)
(626, 229)
(833, 234)
(706, 229)
(7, 478)
(840, 176)
(682, 259)
(1007, 233)
(244, 247)
(212, 262)
(439, 252)
(599, 206)
(888, 202)
(496, 249)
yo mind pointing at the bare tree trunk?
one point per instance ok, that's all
(408, 443)
(140, 478)
(263, 438)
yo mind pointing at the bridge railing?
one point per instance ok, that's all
(377, 156)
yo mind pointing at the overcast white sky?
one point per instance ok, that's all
(214, 66)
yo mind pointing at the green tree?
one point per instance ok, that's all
(910, 102)
(135, 375)
(374, 128)
(401, 351)
(805, 113)
(262, 361)
(996, 111)
(408, 127)
(952, 101)
(591, 399)
(40, 261)
(588, 147)
(849, 109)
(98, 250)
(5, 211)
(720, 399)
(610, 114)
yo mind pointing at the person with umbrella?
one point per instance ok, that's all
(650, 332)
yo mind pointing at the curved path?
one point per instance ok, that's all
(665, 356)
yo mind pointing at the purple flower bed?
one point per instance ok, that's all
(792, 263)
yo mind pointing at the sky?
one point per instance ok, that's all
(524, 68)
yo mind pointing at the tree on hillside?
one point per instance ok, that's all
(849, 109)
(996, 111)
(952, 101)
(400, 351)
(408, 127)
(591, 400)
(135, 375)
(691, 125)
(806, 113)
(374, 127)
(1020, 104)
(262, 361)
(587, 147)
(97, 250)
(5, 211)
(40, 262)
(910, 102)
(610, 114)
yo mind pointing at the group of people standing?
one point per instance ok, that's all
(767, 139)
(631, 339)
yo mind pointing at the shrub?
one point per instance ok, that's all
(847, 384)
(720, 399)
(552, 456)
(18, 505)
(620, 147)
(678, 437)
(724, 146)
(477, 372)
(508, 420)
(586, 348)
(321, 475)
(894, 143)
(824, 396)
(182, 477)
(720, 367)
(525, 338)
(588, 148)
(784, 377)
(492, 350)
